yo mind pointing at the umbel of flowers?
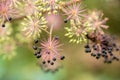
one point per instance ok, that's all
(85, 26)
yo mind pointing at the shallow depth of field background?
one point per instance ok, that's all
(77, 65)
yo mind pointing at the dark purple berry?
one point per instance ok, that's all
(56, 37)
(54, 59)
(114, 44)
(35, 53)
(62, 57)
(38, 55)
(9, 18)
(117, 49)
(111, 54)
(115, 58)
(3, 25)
(52, 63)
(36, 41)
(43, 62)
(97, 57)
(87, 46)
(109, 61)
(87, 50)
(65, 21)
(98, 54)
(48, 61)
(35, 47)
(93, 54)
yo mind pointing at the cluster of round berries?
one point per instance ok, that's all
(104, 46)
(48, 55)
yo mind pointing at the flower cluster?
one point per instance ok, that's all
(77, 30)
(74, 12)
(34, 25)
(7, 11)
(99, 44)
(49, 6)
(96, 21)
(40, 16)
(102, 45)
(49, 52)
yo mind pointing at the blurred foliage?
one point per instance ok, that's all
(77, 65)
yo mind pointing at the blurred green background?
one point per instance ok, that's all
(77, 65)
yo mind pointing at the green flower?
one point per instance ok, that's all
(77, 32)
(34, 25)
(50, 6)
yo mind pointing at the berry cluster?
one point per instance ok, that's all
(102, 46)
(48, 51)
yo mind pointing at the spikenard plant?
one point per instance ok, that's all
(38, 16)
